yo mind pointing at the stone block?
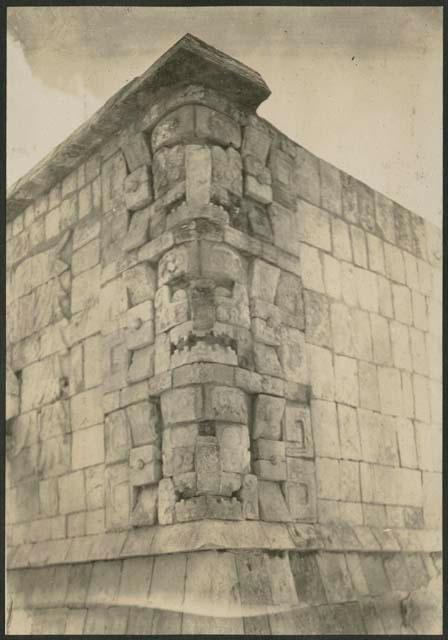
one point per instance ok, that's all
(385, 297)
(348, 432)
(117, 437)
(341, 239)
(249, 497)
(72, 496)
(420, 311)
(346, 380)
(325, 429)
(367, 289)
(198, 164)
(140, 283)
(378, 439)
(265, 278)
(330, 188)
(86, 409)
(272, 505)
(76, 524)
(69, 211)
(394, 261)
(181, 405)
(400, 345)
(297, 432)
(366, 207)
(144, 464)
(332, 276)
(166, 501)
(320, 364)
(92, 362)
(208, 465)
(138, 229)
(203, 507)
(141, 365)
(85, 289)
(381, 340)
(359, 246)
(312, 272)
(271, 450)
(432, 499)
(256, 142)
(226, 403)
(316, 227)
(286, 229)
(434, 244)
(335, 577)
(269, 412)
(341, 322)
(403, 229)
(94, 482)
(306, 177)
(402, 304)
(328, 478)
(368, 386)
(136, 150)
(227, 173)
(178, 126)
(115, 361)
(429, 447)
(270, 469)
(41, 383)
(118, 499)
(292, 354)
(411, 270)
(88, 447)
(217, 127)
(168, 171)
(376, 253)
(300, 490)
(317, 319)
(349, 198)
(384, 209)
(390, 391)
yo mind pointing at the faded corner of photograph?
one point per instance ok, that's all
(224, 321)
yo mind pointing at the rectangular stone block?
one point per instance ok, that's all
(198, 167)
(268, 470)
(72, 496)
(88, 447)
(118, 499)
(306, 177)
(40, 383)
(272, 504)
(297, 432)
(265, 278)
(182, 405)
(145, 466)
(226, 404)
(115, 361)
(325, 428)
(140, 283)
(207, 463)
(86, 409)
(85, 289)
(316, 227)
(269, 412)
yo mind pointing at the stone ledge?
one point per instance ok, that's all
(212, 534)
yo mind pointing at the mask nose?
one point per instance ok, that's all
(203, 308)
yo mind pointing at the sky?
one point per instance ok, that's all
(361, 87)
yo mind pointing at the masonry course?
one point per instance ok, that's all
(217, 340)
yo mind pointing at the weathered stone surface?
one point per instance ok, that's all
(272, 504)
(118, 503)
(317, 319)
(269, 412)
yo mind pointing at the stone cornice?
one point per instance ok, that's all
(214, 534)
(187, 62)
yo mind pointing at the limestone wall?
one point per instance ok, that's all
(206, 322)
